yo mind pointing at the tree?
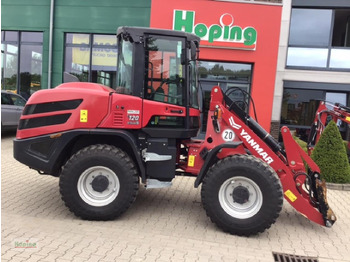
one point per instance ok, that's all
(330, 155)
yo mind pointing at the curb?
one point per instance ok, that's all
(343, 187)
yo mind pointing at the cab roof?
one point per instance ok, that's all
(137, 33)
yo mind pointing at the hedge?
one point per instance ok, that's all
(301, 143)
(331, 156)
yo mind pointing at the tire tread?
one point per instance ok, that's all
(251, 161)
(67, 195)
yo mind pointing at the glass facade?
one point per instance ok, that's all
(90, 58)
(21, 62)
(320, 39)
(299, 107)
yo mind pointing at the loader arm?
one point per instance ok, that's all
(302, 188)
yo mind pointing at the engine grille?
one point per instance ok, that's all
(49, 107)
(118, 119)
(52, 106)
(43, 121)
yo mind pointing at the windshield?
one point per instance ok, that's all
(124, 68)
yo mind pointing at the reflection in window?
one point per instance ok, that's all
(224, 71)
(341, 31)
(340, 58)
(104, 60)
(299, 106)
(9, 66)
(78, 39)
(311, 57)
(90, 58)
(164, 80)
(32, 37)
(77, 63)
(29, 68)
(229, 76)
(310, 27)
(125, 67)
(313, 35)
(104, 78)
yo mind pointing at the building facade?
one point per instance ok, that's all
(313, 62)
(285, 67)
(238, 49)
(45, 42)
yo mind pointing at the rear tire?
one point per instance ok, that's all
(99, 182)
(242, 195)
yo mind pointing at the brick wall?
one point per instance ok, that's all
(275, 129)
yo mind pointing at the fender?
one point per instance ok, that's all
(210, 159)
(130, 139)
(44, 153)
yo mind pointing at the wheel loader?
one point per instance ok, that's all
(325, 112)
(103, 143)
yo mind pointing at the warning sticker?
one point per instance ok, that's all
(83, 116)
(290, 195)
(191, 159)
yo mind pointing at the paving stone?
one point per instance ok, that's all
(162, 225)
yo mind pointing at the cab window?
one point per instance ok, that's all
(164, 74)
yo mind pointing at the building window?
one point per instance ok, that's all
(21, 61)
(319, 39)
(252, 1)
(299, 108)
(91, 58)
(229, 76)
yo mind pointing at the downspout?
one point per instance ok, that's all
(52, 8)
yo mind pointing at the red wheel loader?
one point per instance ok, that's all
(327, 111)
(102, 142)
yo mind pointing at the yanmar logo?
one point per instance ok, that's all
(244, 134)
(225, 34)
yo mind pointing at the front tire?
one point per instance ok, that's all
(99, 182)
(242, 195)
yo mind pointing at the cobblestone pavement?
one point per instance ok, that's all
(162, 225)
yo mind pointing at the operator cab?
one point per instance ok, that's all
(160, 67)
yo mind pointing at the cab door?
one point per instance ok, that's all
(165, 111)
(164, 105)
